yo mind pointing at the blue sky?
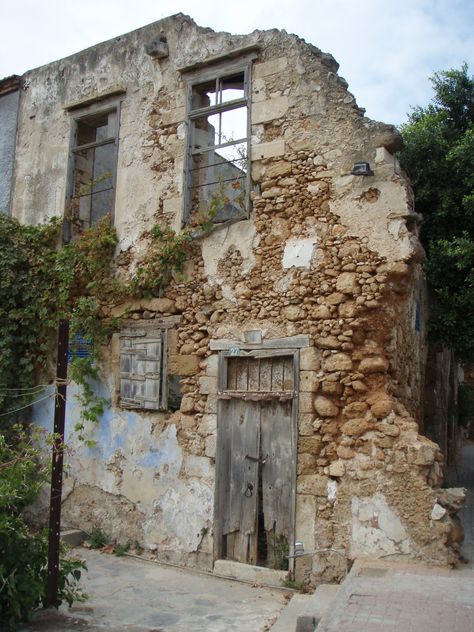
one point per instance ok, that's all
(386, 50)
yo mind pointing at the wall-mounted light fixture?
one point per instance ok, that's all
(361, 169)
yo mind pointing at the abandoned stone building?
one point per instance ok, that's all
(273, 393)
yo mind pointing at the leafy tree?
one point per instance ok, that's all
(439, 158)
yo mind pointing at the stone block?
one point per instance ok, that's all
(183, 364)
(306, 464)
(310, 359)
(279, 168)
(211, 404)
(175, 115)
(309, 381)
(208, 424)
(328, 342)
(356, 409)
(438, 512)
(212, 363)
(357, 427)
(187, 404)
(305, 402)
(207, 385)
(311, 445)
(268, 150)
(325, 407)
(321, 312)
(337, 362)
(313, 484)
(271, 67)
(347, 283)
(382, 407)
(291, 312)
(390, 430)
(210, 449)
(269, 109)
(375, 364)
(331, 388)
(337, 469)
(305, 424)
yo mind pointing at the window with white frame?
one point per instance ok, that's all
(218, 174)
(92, 167)
(143, 383)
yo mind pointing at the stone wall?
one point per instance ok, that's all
(9, 98)
(325, 254)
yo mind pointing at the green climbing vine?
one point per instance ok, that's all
(43, 281)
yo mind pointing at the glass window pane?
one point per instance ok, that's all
(217, 129)
(101, 204)
(218, 185)
(231, 88)
(83, 169)
(204, 95)
(103, 167)
(95, 128)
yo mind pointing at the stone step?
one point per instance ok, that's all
(319, 603)
(249, 573)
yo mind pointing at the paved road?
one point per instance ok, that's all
(129, 595)
(386, 596)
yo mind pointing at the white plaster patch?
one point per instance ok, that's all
(299, 252)
(376, 530)
(241, 235)
(375, 220)
(179, 514)
(332, 489)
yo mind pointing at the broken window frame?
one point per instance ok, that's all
(217, 73)
(72, 225)
(145, 333)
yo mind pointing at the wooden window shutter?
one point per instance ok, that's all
(143, 369)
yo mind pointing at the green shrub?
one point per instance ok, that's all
(24, 551)
(97, 539)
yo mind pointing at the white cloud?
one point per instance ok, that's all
(386, 50)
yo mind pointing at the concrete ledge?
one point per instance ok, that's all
(316, 607)
(249, 573)
(73, 537)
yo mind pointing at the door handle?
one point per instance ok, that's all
(255, 459)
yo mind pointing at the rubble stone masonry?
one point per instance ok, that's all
(324, 254)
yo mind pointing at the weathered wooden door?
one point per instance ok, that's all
(256, 459)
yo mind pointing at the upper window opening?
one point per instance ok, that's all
(218, 178)
(94, 157)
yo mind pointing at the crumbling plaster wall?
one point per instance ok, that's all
(324, 253)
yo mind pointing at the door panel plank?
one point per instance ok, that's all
(277, 443)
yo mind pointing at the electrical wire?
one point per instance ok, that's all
(33, 393)
(29, 388)
(15, 410)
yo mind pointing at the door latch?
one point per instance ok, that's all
(255, 459)
(249, 491)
